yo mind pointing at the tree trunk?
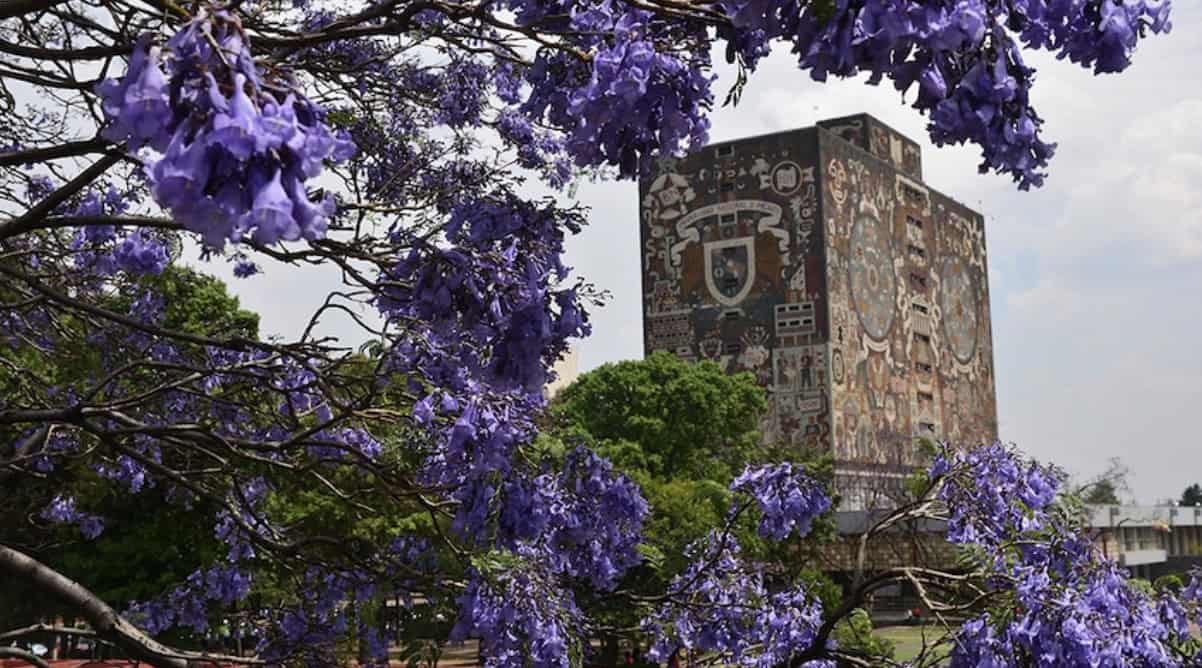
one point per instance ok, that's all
(609, 650)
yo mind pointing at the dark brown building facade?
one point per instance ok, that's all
(819, 261)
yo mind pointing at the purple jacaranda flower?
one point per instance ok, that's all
(271, 217)
(235, 129)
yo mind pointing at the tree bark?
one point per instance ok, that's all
(103, 619)
(28, 657)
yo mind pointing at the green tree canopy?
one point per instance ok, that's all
(1192, 496)
(1102, 492)
(683, 431)
(666, 417)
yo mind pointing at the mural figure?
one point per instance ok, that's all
(871, 275)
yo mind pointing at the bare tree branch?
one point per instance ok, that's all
(107, 623)
(46, 628)
(13, 8)
(67, 150)
(18, 653)
(30, 219)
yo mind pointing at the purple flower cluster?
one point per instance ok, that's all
(220, 585)
(992, 494)
(141, 253)
(788, 499)
(464, 91)
(62, 510)
(497, 282)
(1071, 605)
(336, 600)
(245, 269)
(1101, 34)
(964, 54)
(523, 617)
(635, 103)
(127, 471)
(536, 150)
(721, 604)
(235, 148)
(58, 442)
(1090, 616)
(188, 605)
(585, 522)
(105, 249)
(310, 628)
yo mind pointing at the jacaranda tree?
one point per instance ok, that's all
(390, 139)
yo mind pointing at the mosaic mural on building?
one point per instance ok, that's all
(908, 292)
(732, 271)
(818, 261)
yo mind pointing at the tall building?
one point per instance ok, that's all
(818, 260)
(566, 370)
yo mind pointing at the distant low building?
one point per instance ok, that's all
(1150, 541)
(566, 372)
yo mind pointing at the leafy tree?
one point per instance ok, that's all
(1192, 496)
(667, 417)
(1102, 492)
(683, 431)
(396, 141)
(1104, 487)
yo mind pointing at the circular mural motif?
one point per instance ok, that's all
(873, 288)
(958, 302)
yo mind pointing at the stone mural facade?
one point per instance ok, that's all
(819, 261)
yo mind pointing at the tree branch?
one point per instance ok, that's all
(67, 150)
(46, 628)
(27, 657)
(107, 623)
(13, 8)
(30, 219)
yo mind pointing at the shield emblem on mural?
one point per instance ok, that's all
(730, 269)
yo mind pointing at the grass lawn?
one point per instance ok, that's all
(908, 640)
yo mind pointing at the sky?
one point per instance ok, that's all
(1095, 279)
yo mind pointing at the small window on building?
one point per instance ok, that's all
(926, 396)
(919, 308)
(922, 338)
(727, 218)
(725, 151)
(927, 426)
(914, 222)
(727, 186)
(731, 315)
(807, 322)
(923, 367)
(918, 280)
(917, 251)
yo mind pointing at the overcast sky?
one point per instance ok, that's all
(1096, 279)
